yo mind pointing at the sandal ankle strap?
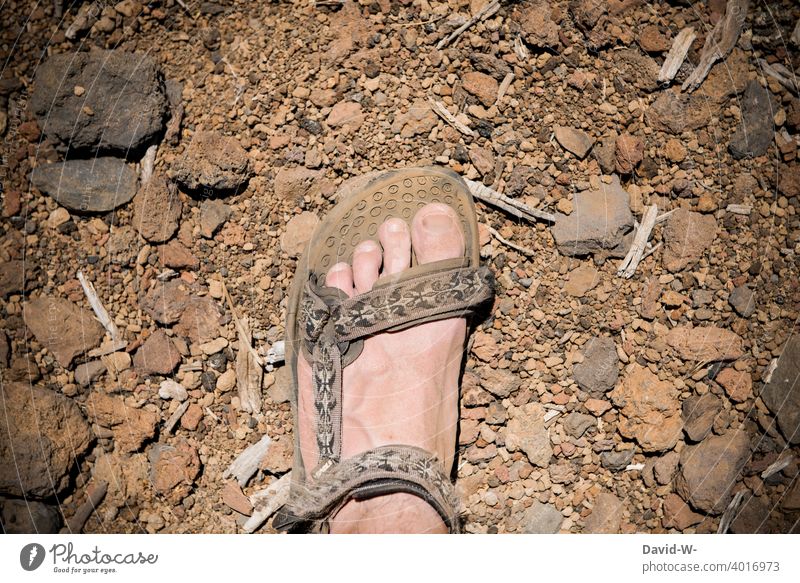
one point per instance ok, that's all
(387, 469)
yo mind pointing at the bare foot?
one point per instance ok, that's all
(403, 388)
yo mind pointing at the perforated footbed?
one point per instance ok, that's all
(397, 194)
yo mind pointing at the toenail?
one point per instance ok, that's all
(397, 226)
(437, 222)
(366, 246)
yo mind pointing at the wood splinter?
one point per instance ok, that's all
(484, 12)
(719, 43)
(677, 54)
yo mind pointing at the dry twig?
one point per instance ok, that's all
(237, 322)
(730, 513)
(267, 501)
(248, 372)
(504, 85)
(520, 248)
(781, 74)
(175, 417)
(519, 210)
(719, 43)
(484, 12)
(98, 308)
(627, 266)
(676, 55)
(439, 108)
(246, 463)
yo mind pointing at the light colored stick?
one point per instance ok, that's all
(627, 266)
(484, 12)
(523, 54)
(676, 55)
(719, 43)
(777, 466)
(148, 163)
(730, 512)
(107, 348)
(246, 464)
(267, 501)
(238, 322)
(175, 417)
(519, 210)
(499, 237)
(634, 467)
(651, 251)
(739, 209)
(439, 108)
(795, 38)
(504, 85)
(98, 308)
(248, 373)
(663, 217)
(75, 523)
(781, 75)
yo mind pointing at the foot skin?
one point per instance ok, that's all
(403, 388)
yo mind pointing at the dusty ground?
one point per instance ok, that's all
(670, 389)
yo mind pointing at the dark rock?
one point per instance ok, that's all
(29, 517)
(616, 461)
(752, 516)
(755, 135)
(96, 185)
(598, 372)
(12, 277)
(213, 214)
(540, 518)
(782, 393)
(709, 470)
(44, 433)
(699, 414)
(743, 300)
(124, 92)
(87, 373)
(576, 424)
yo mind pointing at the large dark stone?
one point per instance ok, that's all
(97, 185)
(103, 100)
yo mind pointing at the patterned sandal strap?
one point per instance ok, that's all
(383, 470)
(395, 304)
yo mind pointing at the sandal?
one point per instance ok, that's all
(329, 328)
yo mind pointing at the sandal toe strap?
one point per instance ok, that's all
(383, 470)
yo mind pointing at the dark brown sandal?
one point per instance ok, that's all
(329, 328)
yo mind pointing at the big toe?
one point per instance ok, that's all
(436, 233)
